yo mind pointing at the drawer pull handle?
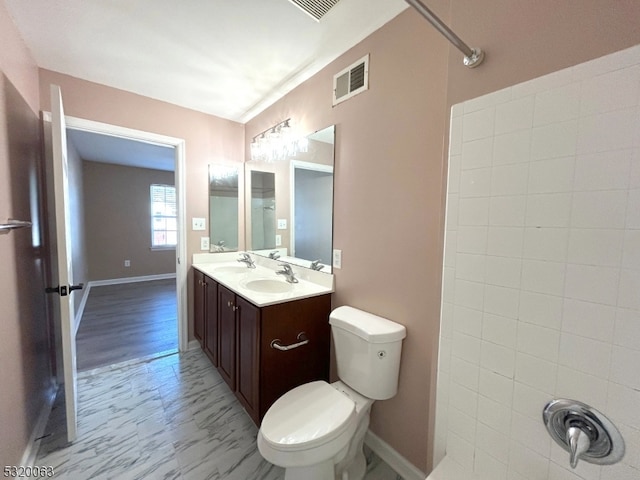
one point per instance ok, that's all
(301, 336)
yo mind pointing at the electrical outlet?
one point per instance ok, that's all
(198, 223)
(337, 258)
(127, 263)
(278, 240)
(282, 224)
(204, 243)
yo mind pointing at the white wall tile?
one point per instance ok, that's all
(624, 367)
(498, 359)
(528, 400)
(505, 241)
(499, 330)
(460, 451)
(512, 148)
(555, 140)
(509, 179)
(472, 239)
(607, 131)
(592, 284)
(475, 183)
(612, 91)
(546, 243)
(536, 372)
(508, 210)
(477, 153)
(538, 341)
(453, 180)
(465, 374)
(469, 294)
(455, 135)
(461, 424)
(474, 211)
(503, 271)
(486, 101)
(470, 267)
(631, 250)
(603, 209)
(541, 309)
(467, 321)
(543, 277)
(514, 115)
(466, 347)
(501, 301)
(557, 105)
(531, 465)
(588, 319)
(589, 389)
(549, 210)
(622, 405)
(627, 328)
(551, 176)
(487, 465)
(585, 355)
(478, 124)
(595, 247)
(497, 388)
(634, 176)
(463, 399)
(633, 209)
(494, 415)
(531, 432)
(603, 170)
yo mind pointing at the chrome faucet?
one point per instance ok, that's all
(245, 258)
(274, 255)
(315, 265)
(287, 271)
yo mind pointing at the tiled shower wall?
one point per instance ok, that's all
(541, 295)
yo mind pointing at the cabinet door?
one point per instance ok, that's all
(227, 336)
(247, 386)
(211, 320)
(198, 305)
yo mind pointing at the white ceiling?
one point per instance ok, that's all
(230, 58)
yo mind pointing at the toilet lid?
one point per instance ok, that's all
(307, 416)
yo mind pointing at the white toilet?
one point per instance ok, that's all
(316, 431)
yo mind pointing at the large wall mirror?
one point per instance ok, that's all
(223, 208)
(290, 204)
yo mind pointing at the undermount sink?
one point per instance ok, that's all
(232, 269)
(268, 285)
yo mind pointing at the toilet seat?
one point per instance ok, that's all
(308, 417)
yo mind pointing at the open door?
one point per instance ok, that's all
(62, 260)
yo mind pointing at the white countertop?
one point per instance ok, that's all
(223, 268)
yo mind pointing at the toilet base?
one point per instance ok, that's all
(319, 471)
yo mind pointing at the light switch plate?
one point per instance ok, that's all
(278, 240)
(198, 223)
(282, 224)
(204, 243)
(337, 258)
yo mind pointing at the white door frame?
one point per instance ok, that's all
(178, 144)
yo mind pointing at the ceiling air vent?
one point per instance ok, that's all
(351, 81)
(315, 8)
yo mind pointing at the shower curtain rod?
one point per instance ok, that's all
(472, 56)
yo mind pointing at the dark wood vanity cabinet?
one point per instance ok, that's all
(199, 304)
(256, 371)
(210, 344)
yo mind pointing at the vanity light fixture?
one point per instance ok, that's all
(276, 143)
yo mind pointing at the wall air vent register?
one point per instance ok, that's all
(351, 81)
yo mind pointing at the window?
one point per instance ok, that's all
(164, 224)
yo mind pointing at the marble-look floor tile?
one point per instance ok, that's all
(165, 418)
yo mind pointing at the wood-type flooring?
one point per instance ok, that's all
(127, 321)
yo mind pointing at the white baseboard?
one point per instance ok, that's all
(392, 458)
(31, 452)
(83, 302)
(144, 278)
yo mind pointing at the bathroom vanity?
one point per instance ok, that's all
(264, 335)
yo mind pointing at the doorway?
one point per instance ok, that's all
(177, 147)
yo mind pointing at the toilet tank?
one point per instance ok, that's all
(367, 351)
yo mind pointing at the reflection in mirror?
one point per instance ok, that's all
(303, 204)
(223, 208)
(263, 210)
